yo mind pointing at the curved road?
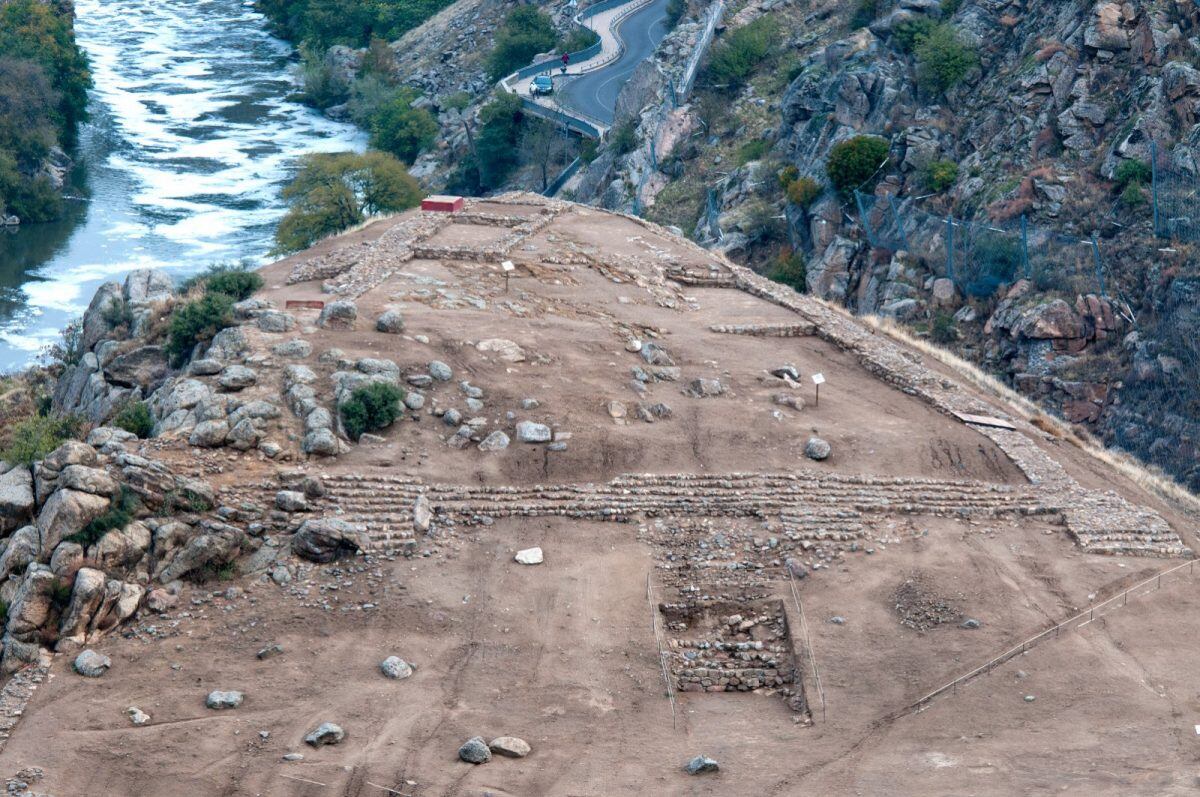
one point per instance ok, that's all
(595, 93)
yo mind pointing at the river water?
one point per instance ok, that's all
(191, 138)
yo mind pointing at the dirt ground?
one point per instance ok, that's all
(564, 655)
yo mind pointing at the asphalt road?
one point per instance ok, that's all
(594, 94)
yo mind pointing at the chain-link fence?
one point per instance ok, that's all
(1175, 188)
(979, 257)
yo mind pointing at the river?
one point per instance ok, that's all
(192, 136)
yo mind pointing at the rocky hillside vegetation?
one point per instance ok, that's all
(978, 170)
(43, 97)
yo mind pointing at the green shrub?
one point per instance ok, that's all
(911, 32)
(233, 281)
(197, 322)
(943, 59)
(675, 11)
(994, 261)
(119, 515)
(790, 270)
(459, 101)
(803, 191)
(623, 137)
(30, 440)
(740, 53)
(371, 407)
(496, 147)
(402, 130)
(950, 7)
(322, 86)
(525, 33)
(1132, 172)
(855, 162)
(940, 175)
(578, 39)
(787, 175)
(1134, 195)
(60, 594)
(752, 150)
(135, 418)
(865, 12)
(118, 314)
(942, 330)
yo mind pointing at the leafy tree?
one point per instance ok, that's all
(909, 33)
(333, 192)
(542, 145)
(740, 53)
(354, 22)
(525, 33)
(496, 150)
(789, 269)
(856, 161)
(943, 58)
(35, 31)
(402, 130)
(371, 407)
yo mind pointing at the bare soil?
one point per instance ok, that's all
(564, 654)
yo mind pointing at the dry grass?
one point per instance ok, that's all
(1145, 476)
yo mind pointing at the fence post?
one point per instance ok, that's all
(899, 221)
(1154, 180)
(862, 215)
(1099, 264)
(1025, 244)
(950, 247)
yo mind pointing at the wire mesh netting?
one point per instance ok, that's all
(1175, 184)
(979, 257)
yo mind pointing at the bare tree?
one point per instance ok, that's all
(542, 146)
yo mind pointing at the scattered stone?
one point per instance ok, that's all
(817, 449)
(209, 434)
(237, 377)
(837, 619)
(325, 539)
(530, 432)
(701, 764)
(296, 349)
(91, 664)
(616, 410)
(440, 371)
(654, 354)
(1030, 698)
(396, 668)
(338, 315)
(325, 733)
(529, 556)
(293, 756)
(270, 651)
(496, 441)
(321, 442)
(505, 350)
(704, 388)
(137, 716)
(276, 321)
(971, 623)
(219, 700)
(510, 747)
(391, 322)
(475, 751)
(291, 501)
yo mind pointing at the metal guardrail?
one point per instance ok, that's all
(575, 57)
(562, 179)
(693, 66)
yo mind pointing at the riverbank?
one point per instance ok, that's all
(192, 133)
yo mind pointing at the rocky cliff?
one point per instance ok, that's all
(1049, 124)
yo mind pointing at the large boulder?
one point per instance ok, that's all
(86, 596)
(95, 327)
(23, 547)
(148, 286)
(325, 539)
(340, 314)
(64, 514)
(145, 367)
(121, 548)
(16, 497)
(88, 480)
(216, 544)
